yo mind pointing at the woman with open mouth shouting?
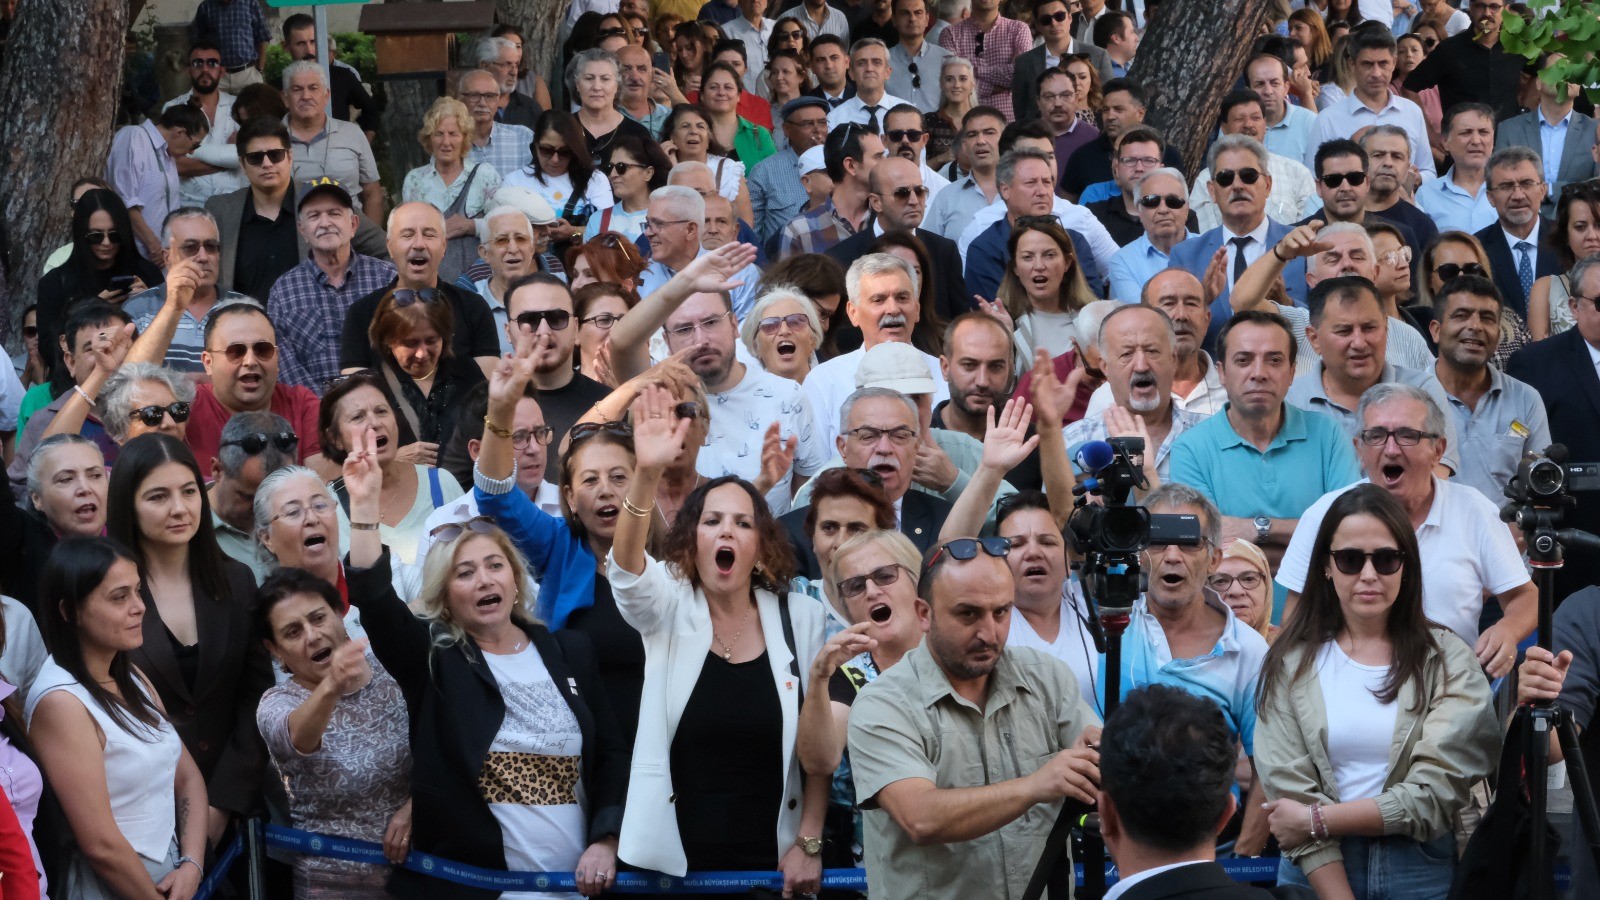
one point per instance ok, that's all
(1043, 289)
(715, 784)
(517, 762)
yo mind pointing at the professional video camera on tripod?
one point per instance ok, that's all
(1109, 536)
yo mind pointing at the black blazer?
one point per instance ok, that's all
(1503, 263)
(1208, 881)
(25, 543)
(217, 719)
(950, 295)
(921, 517)
(456, 709)
(1025, 75)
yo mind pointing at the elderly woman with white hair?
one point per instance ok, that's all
(593, 78)
(460, 189)
(137, 398)
(67, 488)
(783, 331)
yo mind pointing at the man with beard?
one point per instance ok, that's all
(980, 372)
(1518, 255)
(501, 57)
(1459, 201)
(850, 154)
(213, 166)
(944, 818)
(190, 235)
(1196, 384)
(1388, 153)
(1292, 186)
(310, 299)
(1140, 353)
(506, 147)
(542, 303)
(1164, 217)
(416, 244)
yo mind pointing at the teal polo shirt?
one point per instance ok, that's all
(1311, 456)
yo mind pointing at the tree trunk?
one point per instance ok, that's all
(406, 102)
(1191, 55)
(59, 84)
(540, 21)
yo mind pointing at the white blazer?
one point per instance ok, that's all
(675, 622)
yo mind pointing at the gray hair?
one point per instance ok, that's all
(1389, 131)
(957, 60)
(868, 42)
(504, 209)
(1138, 187)
(877, 264)
(774, 295)
(1123, 308)
(1007, 169)
(239, 426)
(1581, 270)
(42, 453)
(1338, 228)
(1086, 324)
(1174, 494)
(950, 10)
(1379, 394)
(296, 69)
(184, 212)
(683, 201)
(688, 167)
(267, 493)
(112, 407)
(1237, 142)
(592, 55)
(489, 50)
(869, 393)
(1515, 154)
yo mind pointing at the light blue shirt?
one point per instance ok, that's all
(1100, 190)
(1309, 393)
(1509, 421)
(953, 208)
(1452, 208)
(1133, 266)
(1552, 138)
(744, 296)
(1289, 137)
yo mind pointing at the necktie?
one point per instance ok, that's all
(872, 114)
(1525, 267)
(1239, 265)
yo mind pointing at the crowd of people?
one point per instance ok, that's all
(673, 473)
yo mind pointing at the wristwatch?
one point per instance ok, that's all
(1263, 528)
(811, 846)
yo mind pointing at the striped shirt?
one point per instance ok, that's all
(183, 354)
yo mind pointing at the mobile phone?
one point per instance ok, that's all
(123, 282)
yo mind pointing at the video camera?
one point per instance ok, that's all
(1539, 495)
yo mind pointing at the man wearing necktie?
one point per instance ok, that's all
(1517, 255)
(869, 66)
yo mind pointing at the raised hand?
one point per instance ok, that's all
(712, 273)
(111, 348)
(1215, 281)
(1121, 422)
(1006, 442)
(363, 478)
(348, 669)
(998, 310)
(658, 434)
(777, 455)
(840, 649)
(603, 371)
(515, 369)
(420, 453)
(182, 281)
(1302, 242)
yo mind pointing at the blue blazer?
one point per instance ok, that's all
(1195, 254)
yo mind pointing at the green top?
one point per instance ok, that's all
(37, 398)
(752, 143)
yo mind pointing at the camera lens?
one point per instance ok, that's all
(1546, 478)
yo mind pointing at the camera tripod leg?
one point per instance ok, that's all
(1536, 763)
(1582, 788)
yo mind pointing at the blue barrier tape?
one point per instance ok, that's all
(219, 869)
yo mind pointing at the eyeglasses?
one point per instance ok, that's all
(449, 531)
(621, 168)
(1247, 580)
(406, 296)
(1173, 201)
(296, 513)
(265, 351)
(1526, 186)
(252, 444)
(707, 325)
(1350, 561)
(602, 321)
(1333, 180)
(1226, 176)
(256, 157)
(963, 549)
(96, 238)
(480, 96)
(205, 63)
(151, 416)
(585, 430)
(866, 435)
(1397, 258)
(904, 193)
(905, 134)
(192, 248)
(651, 225)
(541, 435)
(555, 152)
(341, 378)
(1129, 162)
(883, 576)
(1447, 271)
(771, 324)
(1405, 437)
(688, 409)
(558, 319)
(1047, 18)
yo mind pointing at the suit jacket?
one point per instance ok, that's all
(228, 209)
(1025, 91)
(1195, 254)
(949, 287)
(1207, 881)
(1503, 263)
(1576, 162)
(921, 517)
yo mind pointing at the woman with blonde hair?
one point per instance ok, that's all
(461, 189)
(1042, 289)
(958, 94)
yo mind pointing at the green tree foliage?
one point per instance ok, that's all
(1570, 28)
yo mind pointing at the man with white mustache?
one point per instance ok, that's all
(1196, 384)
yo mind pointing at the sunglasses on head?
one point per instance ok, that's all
(151, 416)
(613, 241)
(252, 444)
(1447, 271)
(559, 319)
(1350, 561)
(905, 134)
(265, 351)
(870, 477)
(407, 296)
(795, 321)
(1173, 201)
(339, 379)
(97, 238)
(449, 531)
(257, 157)
(1226, 176)
(1334, 179)
(883, 576)
(585, 430)
(963, 549)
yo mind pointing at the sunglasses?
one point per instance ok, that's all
(1221, 582)
(916, 84)
(190, 248)
(265, 351)
(1053, 17)
(96, 238)
(541, 435)
(252, 444)
(963, 549)
(405, 296)
(555, 152)
(688, 409)
(151, 416)
(1226, 176)
(904, 194)
(1350, 561)
(613, 241)
(257, 157)
(1173, 201)
(559, 319)
(770, 325)
(613, 32)
(1335, 179)
(1447, 271)
(883, 576)
(585, 430)
(905, 134)
(621, 168)
(337, 380)
(795, 35)
(449, 531)
(29, 332)
(977, 45)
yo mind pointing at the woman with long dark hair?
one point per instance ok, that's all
(1043, 288)
(134, 796)
(199, 648)
(1373, 721)
(636, 167)
(563, 173)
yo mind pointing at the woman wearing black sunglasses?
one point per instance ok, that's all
(1576, 236)
(1357, 667)
(1455, 253)
(637, 166)
(138, 398)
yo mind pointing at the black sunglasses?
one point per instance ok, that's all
(265, 351)
(335, 381)
(1350, 561)
(559, 319)
(883, 576)
(916, 79)
(406, 296)
(96, 238)
(614, 241)
(151, 416)
(977, 45)
(905, 134)
(252, 444)
(1173, 201)
(963, 549)
(1447, 271)
(613, 32)
(1334, 179)
(870, 477)
(688, 409)
(29, 332)
(449, 531)
(586, 430)
(904, 193)
(256, 157)
(621, 168)
(1053, 17)
(1226, 176)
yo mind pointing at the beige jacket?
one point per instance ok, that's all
(1444, 740)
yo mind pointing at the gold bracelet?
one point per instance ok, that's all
(630, 509)
(497, 430)
(364, 526)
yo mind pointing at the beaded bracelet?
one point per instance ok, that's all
(1319, 826)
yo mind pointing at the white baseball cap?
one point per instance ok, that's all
(899, 367)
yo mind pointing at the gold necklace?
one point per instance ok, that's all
(727, 650)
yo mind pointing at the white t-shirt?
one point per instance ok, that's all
(739, 420)
(1360, 729)
(532, 775)
(557, 191)
(1074, 644)
(830, 384)
(1467, 552)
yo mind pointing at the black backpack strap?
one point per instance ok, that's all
(788, 638)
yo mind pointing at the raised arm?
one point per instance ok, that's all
(820, 736)
(346, 671)
(1051, 399)
(658, 438)
(711, 273)
(1252, 287)
(1005, 444)
(109, 350)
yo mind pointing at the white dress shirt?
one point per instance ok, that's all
(1252, 250)
(855, 110)
(1349, 115)
(1072, 216)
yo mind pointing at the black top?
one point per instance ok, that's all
(564, 406)
(267, 248)
(845, 684)
(864, 27)
(188, 656)
(1091, 164)
(727, 766)
(66, 283)
(345, 88)
(435, 412)
(520, 110)
(475, 333)
(1417, 227)
(618, 650)
(1025, 475)
(25, 543)
(1465, 71)
(600, 144)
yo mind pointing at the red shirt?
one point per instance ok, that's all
(751, 108)
(207, 416)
